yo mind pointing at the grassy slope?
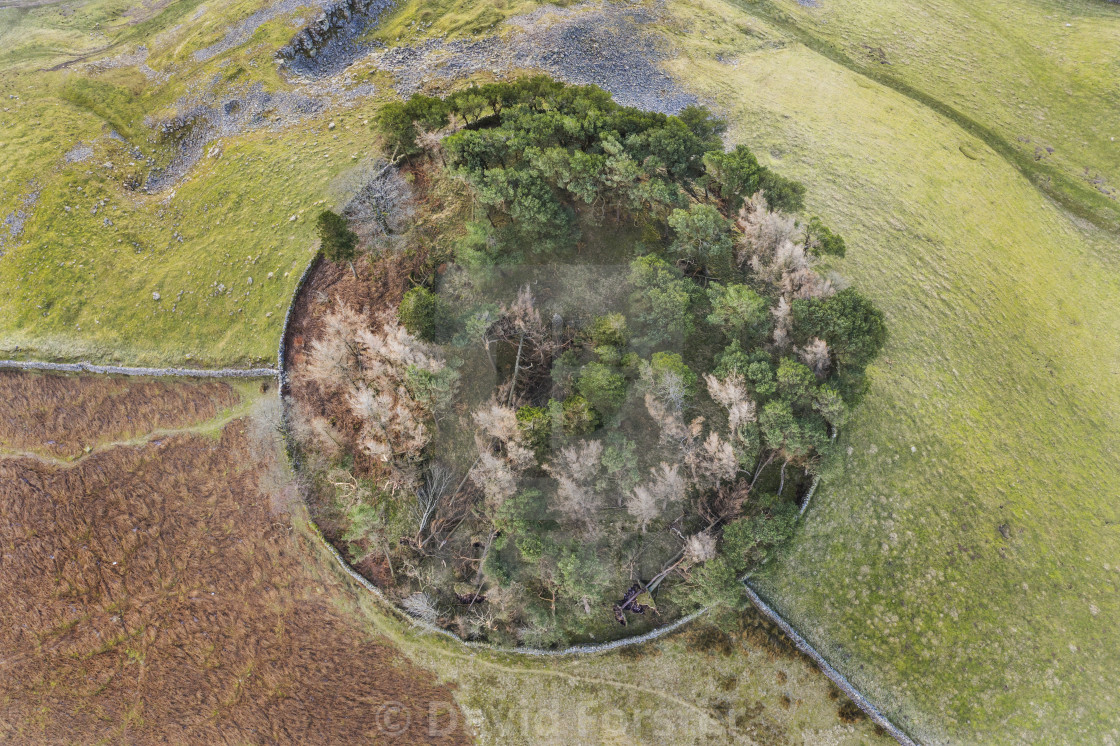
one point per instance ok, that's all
(417, 19)
(44, 32)
(996, 402)
(77, 288)
(1038, 80)
(233, 214)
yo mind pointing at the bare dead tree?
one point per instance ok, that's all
(435, 487)
(481, 562)
(650, 500)
(520, 324)
(816, 356)
(782, 483)
(381, 205)
(420, 606)
(516, 369)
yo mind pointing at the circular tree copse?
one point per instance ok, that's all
(639, 369)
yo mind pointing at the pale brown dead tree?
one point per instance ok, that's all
(520, 325)
(496, 478)
(648, 502)
(667, 386)
(432, 142)
(790, 269)
(393, 429)
(503, 455)
(764, 231)
(498, 428)
(335, 357)
(712, 463)
(574, 468)
(644, 505)
(579, 461)
(395, 425)
(807, 283)
(773, 245)
(815, 354)
(368, 370)
(495, 420)
(726, 503)
(731, 394)
(420, 606)
(699, 548)
(668, 418)
(309, 426)
(435, 488)
(778, 267)
(783, 324)
(665, 396)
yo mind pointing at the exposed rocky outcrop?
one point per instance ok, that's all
(330, 43)
(608, 44)
(242, 31)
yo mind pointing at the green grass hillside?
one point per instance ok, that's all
(223, 249)
(1036, 80)
(961, 560)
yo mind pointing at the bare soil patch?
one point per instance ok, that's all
(60, 415)
(150, 594)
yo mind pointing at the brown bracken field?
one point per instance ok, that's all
(156, 592)
(61, 415)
